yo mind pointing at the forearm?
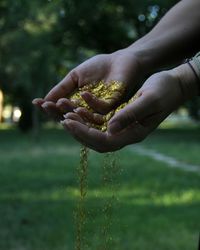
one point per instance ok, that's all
(175, 37)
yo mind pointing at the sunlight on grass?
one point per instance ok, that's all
(167, 199)
(6, 126)
(135, 196)
(178, 122)
(187, 197)
(155, 207)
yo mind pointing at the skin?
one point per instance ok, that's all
(121, 65)
(174, 38)
(160, 95)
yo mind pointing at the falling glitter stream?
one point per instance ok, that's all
(109, 173)
(81, 212)
(109, 92)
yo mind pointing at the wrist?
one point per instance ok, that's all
(144, 55)
(187, 80)
(149, 53)
(139, 57)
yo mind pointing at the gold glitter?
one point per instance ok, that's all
(110, 171)
(111, 93)
(108, 92)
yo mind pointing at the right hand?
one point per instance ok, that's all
(123, 66)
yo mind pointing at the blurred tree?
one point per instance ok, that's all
(1, 105)
(107, 25)
(193, 107)
(28, 56)
(40, 41)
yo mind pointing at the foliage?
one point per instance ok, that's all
(42, 40)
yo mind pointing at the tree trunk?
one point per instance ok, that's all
(1, 106)
(26, 120)
(36, 124)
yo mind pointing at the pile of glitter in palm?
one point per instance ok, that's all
(111, 93)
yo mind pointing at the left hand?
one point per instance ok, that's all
(161, 94)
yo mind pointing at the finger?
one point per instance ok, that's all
(73, 116)
(103, 142)
(91, 137)
(98, 105)
(136, 111)
(134, 133)
(89, 116)
(116, 96)
(137, 132)
(65, 105)
(68, 130)
(64, 88)
(51, 109)
(38, 102)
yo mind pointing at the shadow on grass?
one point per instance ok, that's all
(158, 207)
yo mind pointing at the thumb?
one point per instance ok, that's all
(136, 111)
(63, 88)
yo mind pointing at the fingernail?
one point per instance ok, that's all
(114, 127)
(83, 93)
(75, 110)
(67, 123)
(38, 101)
(44, 105)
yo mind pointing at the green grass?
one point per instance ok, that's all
(181, 143)
(158, 208)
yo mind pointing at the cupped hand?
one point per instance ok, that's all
(161, 94)
(122, 66)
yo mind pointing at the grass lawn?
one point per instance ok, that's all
(181, 143)
(157, 208)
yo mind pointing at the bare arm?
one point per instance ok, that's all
(175, 37)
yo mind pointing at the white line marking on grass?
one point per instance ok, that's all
(170, 161)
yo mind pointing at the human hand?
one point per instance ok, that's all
(122, 66)
(161, 94)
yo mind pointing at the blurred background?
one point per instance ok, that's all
(40, 41)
